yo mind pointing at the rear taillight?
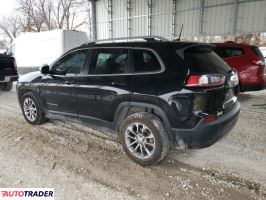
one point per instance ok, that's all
(15, 64)
(258, 63)
(207, 80)
(210, 118)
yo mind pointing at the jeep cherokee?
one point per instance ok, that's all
(151, 95)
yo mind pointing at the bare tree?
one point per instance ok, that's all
(10, 26)
(46, 7)
(3, 44)
(29, 10)
(88, 19)
(50, 14)
(66, 13)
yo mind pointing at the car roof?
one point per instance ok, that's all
(150, 44)
(233, 44)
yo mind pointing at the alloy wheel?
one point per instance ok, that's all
(140, 140)
(30, 109)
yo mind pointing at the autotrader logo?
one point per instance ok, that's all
(27, 193)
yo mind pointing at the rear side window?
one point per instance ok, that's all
(204, 60)
(257, 51)
(229, 52)
(109, 61)
(145, 61)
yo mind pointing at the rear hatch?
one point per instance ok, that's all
(221, 82)
(7, 65)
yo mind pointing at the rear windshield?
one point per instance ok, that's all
(227, 52)
(257, 51)
(204, 60)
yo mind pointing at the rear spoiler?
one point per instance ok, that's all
(181, 52)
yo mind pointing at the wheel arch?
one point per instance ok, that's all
(23, 90)
(128, 108)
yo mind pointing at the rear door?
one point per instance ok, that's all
(147, 79)
(105, 86)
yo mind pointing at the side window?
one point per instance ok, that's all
(109, 61)
(71, 63)
(229, 52)
(145, 61)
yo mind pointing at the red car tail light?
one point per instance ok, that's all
(207, 80)
(210, 118)
(258, 63)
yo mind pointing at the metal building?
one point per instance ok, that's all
(128, 18)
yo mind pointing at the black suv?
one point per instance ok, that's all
(8, 72)
(151, 94)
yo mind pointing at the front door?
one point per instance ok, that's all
(58, 89)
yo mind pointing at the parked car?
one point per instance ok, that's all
(8, 72)
(248, 61)
(32, 49)
(149, 94)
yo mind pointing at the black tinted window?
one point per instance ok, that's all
(145, 61)
(109, 61)
(70, 64)
(204, 60)
(229, 52)
(257, 51)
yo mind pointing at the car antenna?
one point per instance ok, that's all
(179, 37)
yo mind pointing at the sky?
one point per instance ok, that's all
(6, 6)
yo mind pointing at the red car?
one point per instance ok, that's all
(248, 61)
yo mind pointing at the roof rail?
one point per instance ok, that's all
(126, 39)
(147, 38)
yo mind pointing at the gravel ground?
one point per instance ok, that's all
(80, 163)
(242, 153)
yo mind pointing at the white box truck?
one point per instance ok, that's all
(32, 50)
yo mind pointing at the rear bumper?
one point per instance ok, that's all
(5, 79)
(206, 134)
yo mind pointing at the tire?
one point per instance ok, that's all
(6, 86)
(31, 109)
(152, 138)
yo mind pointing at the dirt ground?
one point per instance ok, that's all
(80, 163)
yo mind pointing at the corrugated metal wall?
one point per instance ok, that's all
(125, 18)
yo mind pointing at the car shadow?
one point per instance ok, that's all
(244, 97)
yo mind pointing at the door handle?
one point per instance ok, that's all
(119, 84)
(70, 82)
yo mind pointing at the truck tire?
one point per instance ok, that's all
(144, 138)
(6, 86)
(31, 109)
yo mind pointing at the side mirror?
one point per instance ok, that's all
(45, 69)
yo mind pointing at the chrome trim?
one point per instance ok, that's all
(7, 79)
(125, 74)
(233, 100)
